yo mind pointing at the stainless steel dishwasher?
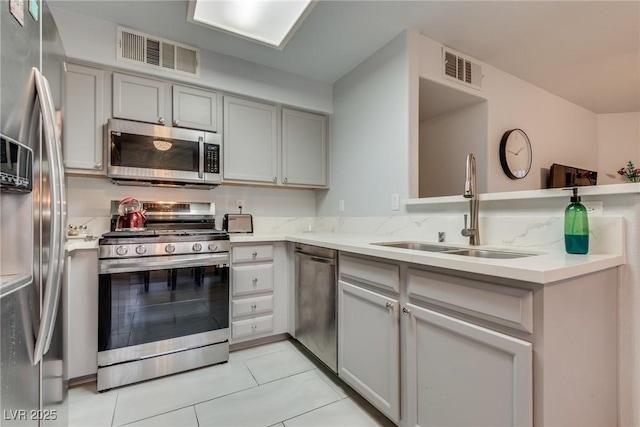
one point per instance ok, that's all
(316, 302)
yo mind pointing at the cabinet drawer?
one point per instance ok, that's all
(250, 327)
(512, 307)
(379, 274)
(252, 306)
(252, 253)
(251, 279)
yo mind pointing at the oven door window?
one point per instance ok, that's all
(147, 306)
(138, 151)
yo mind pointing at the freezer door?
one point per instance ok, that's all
(19, 379)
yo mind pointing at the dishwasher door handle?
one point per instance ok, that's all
(323, 260)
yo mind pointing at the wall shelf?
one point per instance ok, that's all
(596, 190)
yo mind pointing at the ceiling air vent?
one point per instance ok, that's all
(150, 51)
(461, 69)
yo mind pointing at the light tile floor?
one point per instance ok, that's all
(275, 384)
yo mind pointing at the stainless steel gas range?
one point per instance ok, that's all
(163, 295)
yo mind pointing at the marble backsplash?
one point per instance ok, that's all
(534, 233)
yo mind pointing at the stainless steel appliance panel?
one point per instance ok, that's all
(31, 235)
(316, 302)
(145, 369)
(162, 155)
(20, 379)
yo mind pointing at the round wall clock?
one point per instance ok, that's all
(515, 154)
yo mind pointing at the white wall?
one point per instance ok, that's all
(369, 134)
(445, 142)
(560, 132)
(618, 142)
(94, 41)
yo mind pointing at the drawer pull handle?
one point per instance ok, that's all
(255, 254)
(254, 327)
(255, 281)
(389, 305)
(406, 311)
(253, 306)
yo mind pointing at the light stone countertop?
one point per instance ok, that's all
(544, 268)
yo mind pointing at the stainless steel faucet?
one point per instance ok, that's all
(473, 232)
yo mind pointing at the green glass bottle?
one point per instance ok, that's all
(576, 226)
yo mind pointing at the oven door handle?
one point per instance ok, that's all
(109, 266)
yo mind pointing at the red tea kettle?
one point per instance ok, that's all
(131, 216)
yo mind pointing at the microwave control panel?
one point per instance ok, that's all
(211, 158)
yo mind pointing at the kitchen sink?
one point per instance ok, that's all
(484, 253)
(453, 250)
(418, 246)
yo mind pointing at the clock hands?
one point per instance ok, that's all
(516, 153)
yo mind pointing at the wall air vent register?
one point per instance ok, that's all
(460, 69)
(150, 51)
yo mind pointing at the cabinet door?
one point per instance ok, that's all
(84, 119)
(304, 148)
(195, 108)
(463, 374)
(137, 98)
(81, 319)
(368, 346)
(250, 141)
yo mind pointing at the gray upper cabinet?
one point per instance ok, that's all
(140, 99)
(84, 115)
(304, 148)
(250, 141)
(196, 109)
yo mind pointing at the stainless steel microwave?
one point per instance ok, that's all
(145, 154)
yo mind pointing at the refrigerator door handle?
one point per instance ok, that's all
(53, 282)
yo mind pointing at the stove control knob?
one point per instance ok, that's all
(121, 250)
(213, 247)
(141, 250)
(169, 248)
(197, 247)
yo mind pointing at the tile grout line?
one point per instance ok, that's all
(311, 410)
(115, 407)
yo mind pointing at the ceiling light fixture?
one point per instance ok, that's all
(270, 22)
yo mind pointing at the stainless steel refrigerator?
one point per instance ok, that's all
(33, 381)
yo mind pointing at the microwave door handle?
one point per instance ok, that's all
(201, 157)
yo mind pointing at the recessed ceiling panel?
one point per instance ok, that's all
(271, 22)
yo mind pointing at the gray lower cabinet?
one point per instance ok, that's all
(368, 346)
(369, 331)
(461, 374)
(421, 367)
(80, 295)
(259, 291)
